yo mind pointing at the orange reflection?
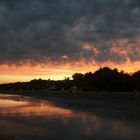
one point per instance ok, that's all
(27, 107)
(40, 118)
(11, 103)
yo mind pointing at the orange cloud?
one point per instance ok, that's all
(56, 72)
(92, 48)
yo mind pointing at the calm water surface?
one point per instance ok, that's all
(30, 119)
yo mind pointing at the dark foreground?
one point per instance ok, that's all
(26, 118)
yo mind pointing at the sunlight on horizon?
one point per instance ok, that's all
(26, 73)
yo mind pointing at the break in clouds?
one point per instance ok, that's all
(38, 31)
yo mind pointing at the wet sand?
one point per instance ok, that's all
(27, 118)
(121, 104)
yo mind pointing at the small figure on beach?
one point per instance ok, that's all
(73, 90)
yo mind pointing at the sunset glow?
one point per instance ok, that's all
(27, 73)
(54, 40)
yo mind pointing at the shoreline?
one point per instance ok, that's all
(124, 109)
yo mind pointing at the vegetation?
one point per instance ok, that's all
(104, 79)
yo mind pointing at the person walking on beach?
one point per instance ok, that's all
(73, 90)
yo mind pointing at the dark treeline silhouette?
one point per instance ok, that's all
(37, 84)
(104, 79)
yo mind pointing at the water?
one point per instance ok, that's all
(29, 119)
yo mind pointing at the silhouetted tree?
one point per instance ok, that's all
(78, 79)
(103, 79)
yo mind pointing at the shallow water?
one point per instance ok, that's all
(30, 119)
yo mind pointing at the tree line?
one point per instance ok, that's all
(104, 79)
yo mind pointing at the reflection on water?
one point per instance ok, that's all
(10, 103)
(29, 119)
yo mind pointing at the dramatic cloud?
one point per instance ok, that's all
(41, 31)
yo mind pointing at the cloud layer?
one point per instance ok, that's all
(63, 31)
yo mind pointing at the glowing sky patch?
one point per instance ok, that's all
(54, 39)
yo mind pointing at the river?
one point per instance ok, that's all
(25, 118)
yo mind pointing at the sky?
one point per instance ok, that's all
(53, 39)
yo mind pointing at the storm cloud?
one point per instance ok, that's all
(38, 31)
